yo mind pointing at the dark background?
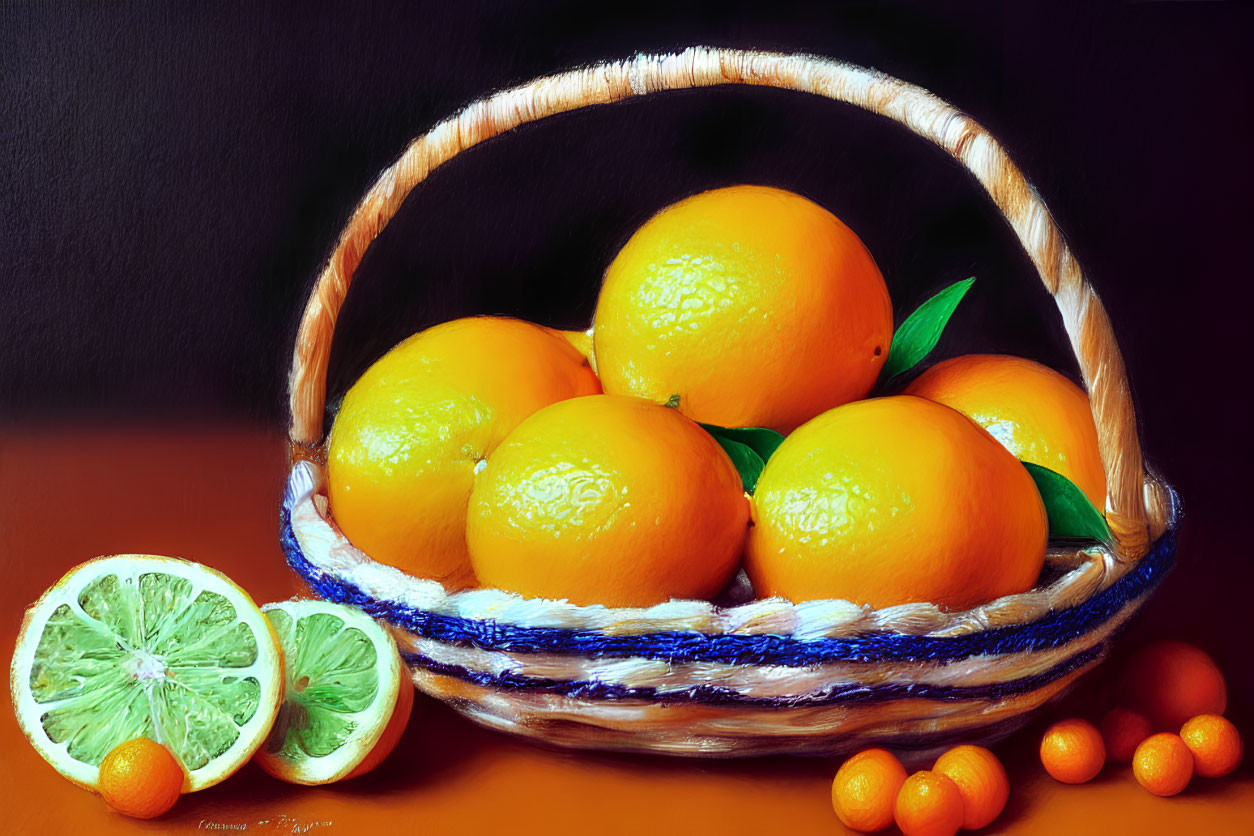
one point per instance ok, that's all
(172, 176)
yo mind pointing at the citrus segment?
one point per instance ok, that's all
(141, 646)
(344, 682)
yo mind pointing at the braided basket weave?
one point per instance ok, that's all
(690, 677)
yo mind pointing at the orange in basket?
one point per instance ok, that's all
(607, 500)
(1035, 412)
(402, 452)
(756, 306)
(894, 500)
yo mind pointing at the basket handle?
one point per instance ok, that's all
(1129, 495)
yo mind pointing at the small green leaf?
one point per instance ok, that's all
(1069, 510)
(749, 448)
(748, 463)
(672, 402)
(918, 335)
(759, 439)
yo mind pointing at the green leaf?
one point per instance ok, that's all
(748, 463)
(1069, 510)
(672, 402)
(749, 448)
(759, 439)
(918, 335)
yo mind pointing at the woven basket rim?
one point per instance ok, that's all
(304, 514)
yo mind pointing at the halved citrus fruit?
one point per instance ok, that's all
(348, 697)
(133, 646)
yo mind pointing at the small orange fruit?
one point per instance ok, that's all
(1122, 731)
(865, 790)
(929, 804)
(140, 778)
(1072, 751)
(1215, 743)
(1163, 764)
(893, 500)
(756, 306)
(982, 781)
(1038, 414)
(405, 443)
(1171, 681)
(607, 500)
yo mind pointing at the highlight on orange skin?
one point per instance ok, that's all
(929, 804)
(864, 791)
(1215, 743)
(1072, 751)
(1163, 764)
(981, 779)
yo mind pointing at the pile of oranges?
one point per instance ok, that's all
(715, 417)
(1169, 725)
(966, 788)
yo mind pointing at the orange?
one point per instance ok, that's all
(1038, 414)
(1122, 731)
(405, 443)
(1171, 681)
(607, 500)
(1215, 743)
(982, 781)
(865, 790)
(140, 778)
(1072, 751)
(929, 804)
(893, 500)
(753, 304)
(1163, 764)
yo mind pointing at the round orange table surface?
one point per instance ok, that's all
(211, 494)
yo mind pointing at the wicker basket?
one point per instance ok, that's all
(692, 678)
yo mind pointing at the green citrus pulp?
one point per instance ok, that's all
(148, 660)
(146, 647)
(332, 678)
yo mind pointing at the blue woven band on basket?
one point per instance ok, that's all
(843, 693)
(1052, 631)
